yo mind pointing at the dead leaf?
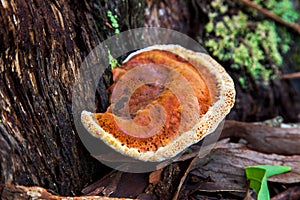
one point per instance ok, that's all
(155, 176)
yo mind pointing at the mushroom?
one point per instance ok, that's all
(164, 99)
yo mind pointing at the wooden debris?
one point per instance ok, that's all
(228, 160)
(118, 184)
(8, 192)
(223, 169)
(168, 184)
(155, 176)
(292, 193)
(264, 138)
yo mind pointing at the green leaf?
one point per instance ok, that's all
(273, 170)
(258, 182)
(257, 175)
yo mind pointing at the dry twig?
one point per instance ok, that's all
(271, 15)
(291, 76)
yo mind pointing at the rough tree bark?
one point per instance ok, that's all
(42, 44)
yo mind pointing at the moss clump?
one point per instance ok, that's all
(247, 41)
(282, 8)
(114, 21)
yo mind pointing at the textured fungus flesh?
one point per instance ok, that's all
(213, 97)
(150, 94)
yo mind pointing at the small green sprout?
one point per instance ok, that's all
(188, 150)
(242, 82)
(257, 175)
(112, 61)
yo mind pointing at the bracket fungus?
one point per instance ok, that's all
(164, 99)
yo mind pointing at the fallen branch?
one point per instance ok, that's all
(264, 138)
(271, 15)
(8, 191)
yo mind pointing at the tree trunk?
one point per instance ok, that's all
(42, 46)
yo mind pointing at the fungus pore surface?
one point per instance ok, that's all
(164, 98)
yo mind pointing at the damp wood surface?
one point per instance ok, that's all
(42, 45)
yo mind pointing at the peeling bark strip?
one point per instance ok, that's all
(42, 44)
(23, 193)
(264, 138)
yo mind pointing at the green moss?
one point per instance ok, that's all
(114, 21)
(249, 44)
(282, 8)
